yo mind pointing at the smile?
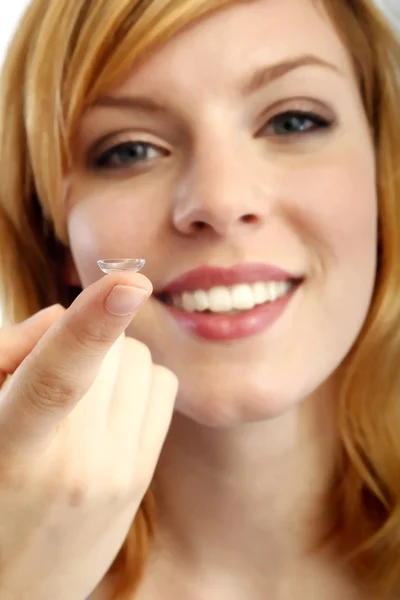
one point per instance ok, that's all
(230, 299)
(226, 304)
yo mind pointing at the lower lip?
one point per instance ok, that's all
(219, 327)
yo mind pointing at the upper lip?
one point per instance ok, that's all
(206, 277)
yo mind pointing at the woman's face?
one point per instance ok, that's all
(241, 143)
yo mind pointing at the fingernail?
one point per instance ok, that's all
(124, 299)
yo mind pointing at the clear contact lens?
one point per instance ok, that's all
(121, 264)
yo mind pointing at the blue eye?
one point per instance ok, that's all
(295, 122)
(128, 154)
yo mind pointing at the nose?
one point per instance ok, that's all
(219, 194)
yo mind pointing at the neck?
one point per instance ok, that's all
(252, 500)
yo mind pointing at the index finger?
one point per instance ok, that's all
(64, 364)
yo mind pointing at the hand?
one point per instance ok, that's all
(83, 418)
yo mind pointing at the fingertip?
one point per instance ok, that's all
(124, 300)
(57, 308)
(143, 281)
(51, 312)
(44, 314)
(137, 280)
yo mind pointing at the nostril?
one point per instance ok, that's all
(223, 222)
(199, 225)
(250, 219)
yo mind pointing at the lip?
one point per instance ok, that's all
(227, 328)
(206, 277)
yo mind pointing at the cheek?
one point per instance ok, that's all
(336, 213)
(335, 210)
(108, 225)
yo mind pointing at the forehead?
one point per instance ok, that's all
(239, 38)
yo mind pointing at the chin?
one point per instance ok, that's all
(254, 380)
(234, 403)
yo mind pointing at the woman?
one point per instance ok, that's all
(249, 152)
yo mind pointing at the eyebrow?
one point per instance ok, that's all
(265, 75)
(139, 103)
(260, 78)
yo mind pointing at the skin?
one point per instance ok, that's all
(251, 451)
(77, 454)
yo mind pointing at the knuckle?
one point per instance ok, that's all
(143, 352)
(139, 350)
(165, 377)
(128, 480)
(123, 488)
(48, 389)
(92, 335)
(141, 483)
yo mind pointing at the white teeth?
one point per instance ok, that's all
(222, 299)
(202, 301)
(219, 299)
(260, 292)
(242, 297)
(188, 302)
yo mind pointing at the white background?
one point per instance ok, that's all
(10, 12)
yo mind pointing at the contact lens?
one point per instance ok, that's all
(121, 264)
